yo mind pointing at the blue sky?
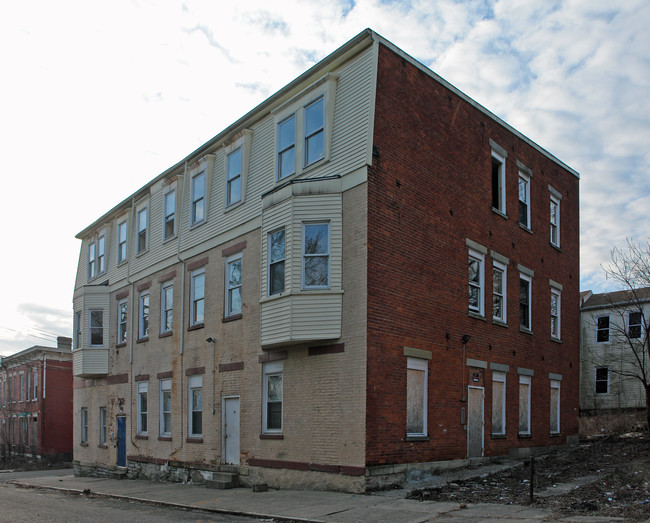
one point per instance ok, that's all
(121, 90)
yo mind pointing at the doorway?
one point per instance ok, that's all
(230, 430)
(475, 422)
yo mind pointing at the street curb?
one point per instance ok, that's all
(167, 503)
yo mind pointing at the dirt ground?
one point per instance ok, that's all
(603, 476)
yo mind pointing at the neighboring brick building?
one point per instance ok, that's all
(613, 327)
(366, 274)
(36, 402)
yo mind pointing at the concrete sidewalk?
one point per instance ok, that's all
(291, 505)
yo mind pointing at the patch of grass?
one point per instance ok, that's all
(611, 423)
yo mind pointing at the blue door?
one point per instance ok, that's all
(121, 441)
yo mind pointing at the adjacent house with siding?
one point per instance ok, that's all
(366, 274)
(614, 350)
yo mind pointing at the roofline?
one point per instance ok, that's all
(357, 43)
(35, 348)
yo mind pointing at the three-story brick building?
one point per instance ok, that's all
(367, 273)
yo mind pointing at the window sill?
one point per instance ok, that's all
(142, 252)
(525, 228)
(233, 206)
(164, 438)
(417, 438)
(83, 444)
(196, 326)
(556, 340)
(142, 340)
(271, 436)
(555, 435)
(524, 435)
(123, 262)
(499, 436)
(167, 240)
(102, 446)
(197, 224)
(476, 315)
(525, 330)
(165, 334)
(120, 345)
(498, 322)
(194, 439)
(556, 247)
(141, 436)
(232, 317)
(500, 213)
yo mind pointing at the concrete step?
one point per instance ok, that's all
(222, 480)
(118, 474)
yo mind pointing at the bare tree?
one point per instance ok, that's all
(630, 269)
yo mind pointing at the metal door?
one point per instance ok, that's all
(230, 431)
(121, 441)
(475, 422)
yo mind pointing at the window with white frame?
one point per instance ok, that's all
(142, 230)
(197, 211)
(499, 291)
(314, 148)
(143, 318)
(498, 403)
(102, 425)
(166, 407)
(524, 200)
(416, 396)
(555, 221)
(272, 397)
(233, 285)
(524, 405)
(169, 209)
(525, 301)
(84, 426)
(167, 307)
(28, 394)
(276, 255)
(316, 255)
(197, 297)
(143, 389)
(234, 177)
(634, 324)
(77, 330)
(96, 328)
(92, 259)
(555, 407)
(121, 322)
(35, 384)
(286, 147)
(121, 242)
(476, 262)
(22, 387)
(195, 410)
(602, 329)
(498, 182)
(97, 257)
(601, 380)
(556, 302)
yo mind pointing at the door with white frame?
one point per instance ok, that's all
(475, 422)
(230, 430)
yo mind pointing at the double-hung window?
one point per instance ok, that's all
(77, 330)
(524, 200)
(166, 307)
(499, 290)
(35, 382)
(314, 116)
(276, 256)
(97, 257)
(234, 177)
(121, 242)
(498, 179)
(198, 199)
(197, 297)
(556, 302)
(316, 255)
(166, 407)
(169, 227)
(102, 425)
(498, 403)
(634, 324)
(476, 272)
(416, 396)
(524, 405)
(121, 322)
(195, 410)
(142, 230)
(233, 285)
(143, 389)
(92, 260)
(601, 380)
(602, 329)
(555, 407)
(83, 437)
(272, 397)
(96, 328)
(525, 283)
(287, 147)
(555, 220)
(143, 332)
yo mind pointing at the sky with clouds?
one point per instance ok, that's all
(97, 98)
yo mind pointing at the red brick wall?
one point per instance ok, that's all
(430, 189)
(56, 424)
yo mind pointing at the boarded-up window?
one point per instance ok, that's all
(498, 403)
(555, 406)
(524, 404)
(416, 397)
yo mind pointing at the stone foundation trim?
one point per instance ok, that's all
(117, 378)
(228, 367)
(174, 463)
(300, 465)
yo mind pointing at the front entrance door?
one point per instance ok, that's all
(230, 431)
(475, 422)
(121, 441)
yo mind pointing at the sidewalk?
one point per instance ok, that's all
(291, 505)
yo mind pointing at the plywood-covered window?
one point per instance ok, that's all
(416, 397)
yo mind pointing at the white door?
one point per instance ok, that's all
(230, 431)
(475, 423)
